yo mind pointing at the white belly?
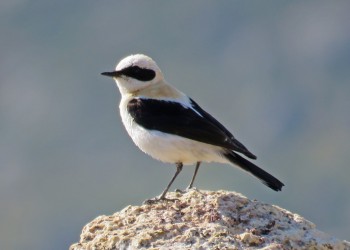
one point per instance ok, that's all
(167, 147)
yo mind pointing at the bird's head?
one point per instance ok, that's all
(135, 72)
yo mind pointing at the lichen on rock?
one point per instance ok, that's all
(204, 220)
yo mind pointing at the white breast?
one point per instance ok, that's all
(166, 147)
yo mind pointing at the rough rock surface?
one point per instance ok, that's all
(205, 220)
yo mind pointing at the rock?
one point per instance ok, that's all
(205, 220)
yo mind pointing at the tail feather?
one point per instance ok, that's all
(265, 177)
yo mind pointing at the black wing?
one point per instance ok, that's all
(173, 118)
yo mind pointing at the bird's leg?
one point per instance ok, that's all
(179, 166)
(194, 176)
(178, 170)
(192, 181)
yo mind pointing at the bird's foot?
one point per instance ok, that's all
(180, 191)
(158, 199)
(186, 190)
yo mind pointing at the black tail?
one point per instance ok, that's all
(265, 177)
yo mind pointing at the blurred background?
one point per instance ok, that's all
(276, 73)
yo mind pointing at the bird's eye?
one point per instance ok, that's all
(139, 73)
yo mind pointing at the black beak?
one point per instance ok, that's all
(111, 74)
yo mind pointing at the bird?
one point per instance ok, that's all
(171, 127)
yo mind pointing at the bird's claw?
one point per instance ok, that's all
(157, 199)
(186, 190)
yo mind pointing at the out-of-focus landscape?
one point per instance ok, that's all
(276, 73)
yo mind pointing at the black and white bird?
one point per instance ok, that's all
(169, 126)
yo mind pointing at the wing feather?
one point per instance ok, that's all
(189, 122)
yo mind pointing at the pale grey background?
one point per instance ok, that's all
(276, 73)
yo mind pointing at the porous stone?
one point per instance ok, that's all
(204, 220)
